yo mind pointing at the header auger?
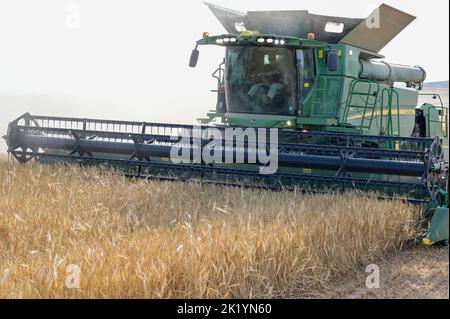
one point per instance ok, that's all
(319, 81)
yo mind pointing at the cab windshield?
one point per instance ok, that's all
(261, 80)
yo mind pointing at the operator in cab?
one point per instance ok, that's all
(270, 83)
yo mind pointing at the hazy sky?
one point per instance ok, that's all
(134, 47)
(133, 54)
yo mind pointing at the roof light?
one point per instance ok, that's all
(205, 35)
(247, 33)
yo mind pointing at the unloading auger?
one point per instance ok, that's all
(319, 80)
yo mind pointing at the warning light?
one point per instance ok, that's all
(311, 36)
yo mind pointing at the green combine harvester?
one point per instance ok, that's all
(341, 121)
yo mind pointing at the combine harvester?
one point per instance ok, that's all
(342, 124)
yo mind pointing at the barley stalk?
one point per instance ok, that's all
(139, 239)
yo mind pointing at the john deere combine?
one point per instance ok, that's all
(341, 123)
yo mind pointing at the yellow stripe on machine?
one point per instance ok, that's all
(378, 113)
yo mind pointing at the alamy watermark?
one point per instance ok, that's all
(227, 145)
(73, 277)
(373, 21)
(373, 279)
(73, 16)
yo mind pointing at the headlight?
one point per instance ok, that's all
(226, 40)
(260, 40)
(269, 40)
(233, 40)
(282, 42)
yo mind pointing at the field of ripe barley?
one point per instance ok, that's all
(121, 238)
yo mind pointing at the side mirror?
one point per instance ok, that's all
(332, 61)
(194, 58)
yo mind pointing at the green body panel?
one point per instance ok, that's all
(399, 121)
(322, 105)
(326, 104)
(439, 226)
(432, 115)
